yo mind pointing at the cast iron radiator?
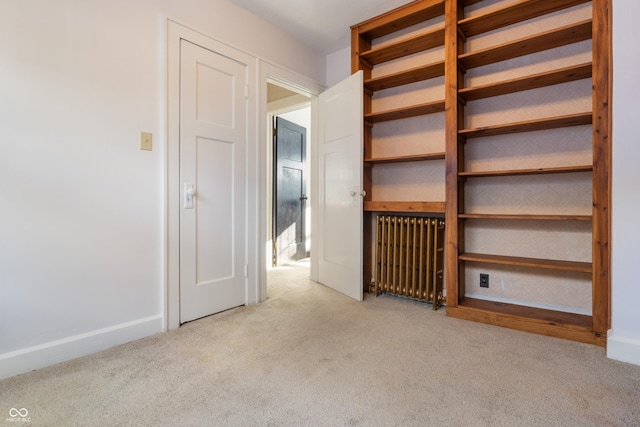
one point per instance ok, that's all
(410, 257)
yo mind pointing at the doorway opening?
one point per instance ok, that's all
(288, 175)
(288, 139)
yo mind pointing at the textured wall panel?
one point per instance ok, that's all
(417, 181)
(416, 135)
(564, 291)
(407, 95)
(546, 148)
(566, 98)
(568, 194)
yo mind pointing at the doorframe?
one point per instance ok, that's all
(272, 73)
(176, 32)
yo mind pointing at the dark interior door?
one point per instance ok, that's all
(290, 153)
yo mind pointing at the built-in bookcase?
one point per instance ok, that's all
(507, 103)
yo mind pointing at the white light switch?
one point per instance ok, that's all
(146, 141)
(189, 192)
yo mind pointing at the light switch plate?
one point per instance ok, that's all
(146, 141)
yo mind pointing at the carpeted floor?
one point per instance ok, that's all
(309, 356)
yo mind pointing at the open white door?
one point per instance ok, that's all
(339, 201)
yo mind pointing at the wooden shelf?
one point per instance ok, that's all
(527, 217)
(403, 159)
(406, 112)
(543, 41)
(549, 264)
(512, 14)
(400, 18)
(549, 78)
(412, 75)
(537, 171)
(405, 207)
(529, 125)
(408, 46)
(570, 326)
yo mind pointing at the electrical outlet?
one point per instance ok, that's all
(484, 280)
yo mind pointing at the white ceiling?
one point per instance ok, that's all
(322, 24)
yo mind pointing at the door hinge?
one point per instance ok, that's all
(246, 92)
(246, 270)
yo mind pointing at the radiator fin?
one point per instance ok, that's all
(410, 257)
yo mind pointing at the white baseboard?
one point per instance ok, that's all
(47, 354)
(623, 349)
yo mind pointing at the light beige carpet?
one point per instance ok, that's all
(309, 356)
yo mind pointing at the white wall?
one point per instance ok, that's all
(624, 340)
(81, 207)
(338, 66)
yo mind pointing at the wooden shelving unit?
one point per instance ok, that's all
(365, 57)
(454, 36)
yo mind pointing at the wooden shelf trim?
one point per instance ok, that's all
(534, 81)
(529, 125)
(543, 41)
(537, 171)
(400, 18)
(405, 207)
(575, 327)
(408, 46)
(409, 158)
(549, 264)
(512, 14)
(405, 112)
(413, 75)
(527, 217)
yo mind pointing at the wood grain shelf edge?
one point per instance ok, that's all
(549, 264)
(574, 327)
(569, 120)
(512, 14)
(562, 36)
(412, 75)
(405, 112)
(534, 81)
(527, 217)
(405, 207)
(409, 158)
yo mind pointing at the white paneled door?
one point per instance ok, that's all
(213, 122)
(340, 187)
